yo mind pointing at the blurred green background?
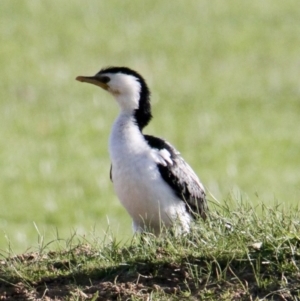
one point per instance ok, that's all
(225, 88)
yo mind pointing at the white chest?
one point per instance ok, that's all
(136, 179)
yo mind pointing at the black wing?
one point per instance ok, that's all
(180, 176)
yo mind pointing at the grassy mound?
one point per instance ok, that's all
(240, 254)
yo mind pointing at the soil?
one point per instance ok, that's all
(142, 280)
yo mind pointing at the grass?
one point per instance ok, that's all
(236, 255)
(225, 82)
(225, 91)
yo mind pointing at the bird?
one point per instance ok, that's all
(153, 182)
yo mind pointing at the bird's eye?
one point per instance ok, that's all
(105, 79)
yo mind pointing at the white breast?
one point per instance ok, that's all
(137, 181)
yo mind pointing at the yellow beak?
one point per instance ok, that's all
(92, 80)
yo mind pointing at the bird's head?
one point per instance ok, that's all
(128, 88)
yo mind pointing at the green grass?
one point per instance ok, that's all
(235, 255)
(225, 86)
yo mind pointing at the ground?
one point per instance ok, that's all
(237, 255)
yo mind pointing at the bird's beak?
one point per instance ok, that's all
(95, 80)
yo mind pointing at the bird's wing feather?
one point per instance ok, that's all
(180, 176)
(110, 173)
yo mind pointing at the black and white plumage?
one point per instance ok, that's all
(153, 182)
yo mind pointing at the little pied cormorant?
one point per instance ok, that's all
(153, 182)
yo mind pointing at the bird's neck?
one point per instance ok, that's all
(137, 105)
(126, 137)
